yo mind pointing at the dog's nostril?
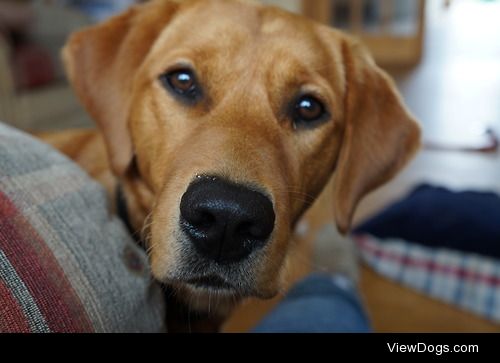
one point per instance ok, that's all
(250, 230)
(203, 219)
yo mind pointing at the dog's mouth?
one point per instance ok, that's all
(211, 282)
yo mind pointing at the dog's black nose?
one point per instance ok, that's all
(225, 221)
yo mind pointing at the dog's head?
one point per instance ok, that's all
(235, 116)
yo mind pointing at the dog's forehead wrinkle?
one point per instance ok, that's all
(236, 15)
(250, 25)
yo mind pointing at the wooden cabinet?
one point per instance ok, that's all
(392, 29)
(53, 104)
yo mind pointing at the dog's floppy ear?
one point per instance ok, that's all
(380, 135)
(101, 62)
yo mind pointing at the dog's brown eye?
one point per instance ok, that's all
(182, 83)
(309, 109)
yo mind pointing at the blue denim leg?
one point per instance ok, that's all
(319, 304)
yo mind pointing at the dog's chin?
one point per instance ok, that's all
(207, 295)
(204, 290)
(214, 297)
(210, 285)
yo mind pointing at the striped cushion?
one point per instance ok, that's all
(66, 264)
(467, 280)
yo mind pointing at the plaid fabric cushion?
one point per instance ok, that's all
(66, 264)
(467, 280)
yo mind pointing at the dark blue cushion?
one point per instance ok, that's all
(434, 216)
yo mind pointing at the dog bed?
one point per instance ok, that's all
(442, 243)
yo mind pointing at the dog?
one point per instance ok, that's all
(221, 122)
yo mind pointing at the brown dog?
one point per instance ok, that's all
(223, 120)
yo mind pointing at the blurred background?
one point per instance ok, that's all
(445, 58)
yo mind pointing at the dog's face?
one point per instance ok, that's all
(236, 115)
